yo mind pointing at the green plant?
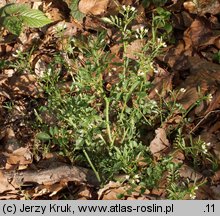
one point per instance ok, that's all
(21, 62)
(14, 16)
(161, 23)
(99, 128)
(216, 57)
(9, 105)
(179, 188)
(196, 150)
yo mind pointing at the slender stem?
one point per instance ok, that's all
(92, 166)
(107, 120)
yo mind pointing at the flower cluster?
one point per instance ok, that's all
(193, 192)
(182, 90)
(161, 43)
(209, 97)
(204, 147)
(141, 32)
(128, 8)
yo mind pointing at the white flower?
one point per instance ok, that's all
(127, 177)
(140, 73)
(208, 144)
(183, 90)
(192, 196)
(132, 8)
(204, 149)
(156, 90)
(156, 71)
(163, 44)
(153, 102)
(128, 8)
(124, 7)
(141, 32)
(209, 97)
(17, 53)
(136, 176)
(159, 40)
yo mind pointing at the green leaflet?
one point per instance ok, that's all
(34, 18)
(11, 9)
(13, 24)
(13, 16)
(75, 13)
(43, 136)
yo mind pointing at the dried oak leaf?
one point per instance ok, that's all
(216, 177)
(203, 75)
(187, 172)
(134, 48)
(113, 190)
(215, 102)
(52, 190)
(20, 157)
(94, 7)
(9, 141)
(110, 191)
(202, 7)
(199, 34)
(215, 192)
(84, 193)
(5, 184)
(21, 85)
(160, 144)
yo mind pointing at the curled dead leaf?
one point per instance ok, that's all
(160, 144)
(118, 191)
(202, 7)
(5, 183)
(94, 7)
(188, 172)
(20, 157)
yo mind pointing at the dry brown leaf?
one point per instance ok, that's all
(5, 184)
(160, 144)
(202, 7)
(187, 172)
(84, 193)
(9, 141)
(175, 56)
(110, 191)
(134, 48)
(216, 177)
(197, 34)
(178, 157)
(52, 190)
(162, 85)
(215, 103)
(215, 192)
(94, 7)
(10, 196)
(21, 85)
(2, 3)
(20, 157)
(188, 98)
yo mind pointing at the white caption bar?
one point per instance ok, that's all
(102, 208)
